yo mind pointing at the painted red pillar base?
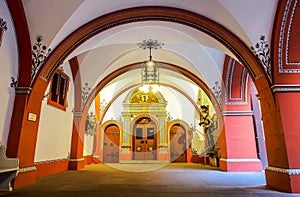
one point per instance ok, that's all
(163, 157)
(76, 164)
(190, 158)
(125, 157)
(283, 172)
(47, 168)
(163, 153)
(283, 179)
(96, 159)
(125, 154)
(240, 165)
(238, 148)
(25, 178)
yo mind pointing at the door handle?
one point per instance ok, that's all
(142, 141)
(146, 141)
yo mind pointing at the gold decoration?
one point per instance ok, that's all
(139, 96)
(150, 148)
(138, 148)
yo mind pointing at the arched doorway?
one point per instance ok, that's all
(178, 146)
(144, 139)
(111, 142)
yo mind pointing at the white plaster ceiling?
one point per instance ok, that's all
(117, 47)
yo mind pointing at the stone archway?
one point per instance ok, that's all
(17, 141)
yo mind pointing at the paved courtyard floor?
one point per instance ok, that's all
(148, 180)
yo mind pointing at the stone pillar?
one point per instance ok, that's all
(125, 138)
(281, 123)
(163, 153)
(238, 150)
(97, 136)
(237, 142)
(76, 160)
(283, 172)
(97, 144)
(22, 137)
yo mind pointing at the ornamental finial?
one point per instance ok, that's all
(150, 44)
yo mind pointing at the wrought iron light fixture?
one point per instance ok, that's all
(150, 68)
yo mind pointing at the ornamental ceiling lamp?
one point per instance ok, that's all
(150, 68)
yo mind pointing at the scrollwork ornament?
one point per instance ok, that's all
(217, 92)
(39, 54)
(262, 52)
(85, 92)
(14, 82)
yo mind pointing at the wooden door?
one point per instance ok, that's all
(177, 144)
(144, 142)
(111, 144)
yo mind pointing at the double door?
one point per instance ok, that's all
(144, 142)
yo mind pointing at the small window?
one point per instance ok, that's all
(58, 90)
(150, 133)
(139, 134)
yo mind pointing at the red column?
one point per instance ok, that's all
(22, 139)
(283, 172)
(96, 151)
(23, 130)
(97, 139)
(76, 160)
(239, 151)
(76, 156)
(238, 146)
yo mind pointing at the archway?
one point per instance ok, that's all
(78, 37)
(178, 143)
(111, 143)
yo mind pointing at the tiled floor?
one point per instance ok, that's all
(143, 180)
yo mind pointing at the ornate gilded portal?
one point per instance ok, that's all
(144, 124)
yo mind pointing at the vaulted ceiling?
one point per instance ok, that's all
(184, 46)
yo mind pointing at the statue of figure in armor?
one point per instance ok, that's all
(210, 125)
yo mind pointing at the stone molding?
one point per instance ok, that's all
(77, 114)
(23, 90)
(288, 171)
(75, 160)
(237, 160)
(96, 156)
(27, 169)
(286, 26)
(50, 160)
(243, 99)
(286, 88)
(237, 113)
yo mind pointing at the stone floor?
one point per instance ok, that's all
(143, 180)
